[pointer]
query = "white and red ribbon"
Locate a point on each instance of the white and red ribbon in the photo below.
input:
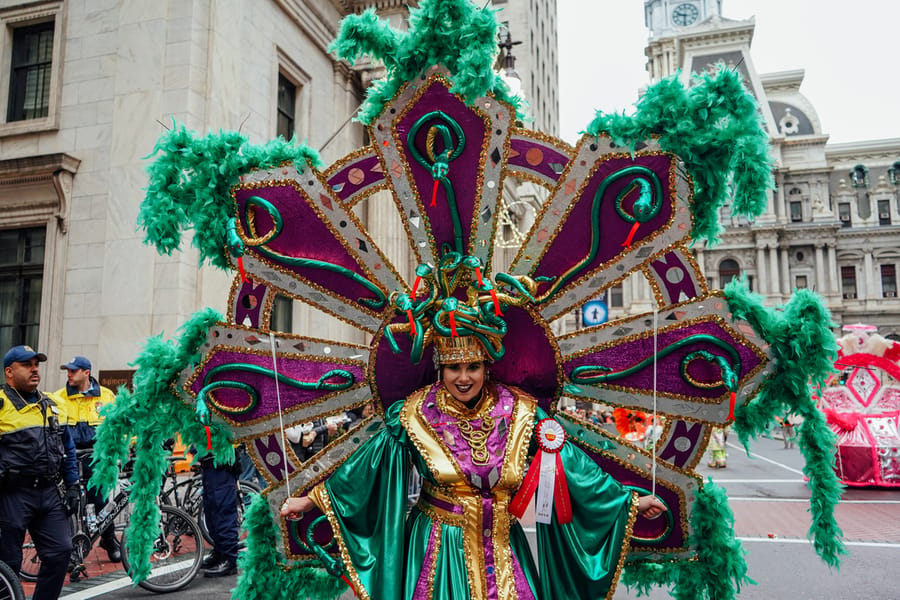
(545, 476)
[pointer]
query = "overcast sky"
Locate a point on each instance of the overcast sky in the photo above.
(849, 52)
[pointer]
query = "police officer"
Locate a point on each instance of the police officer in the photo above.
(220, 508)
(37, 456)
(84, 397)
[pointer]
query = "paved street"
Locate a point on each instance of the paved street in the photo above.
(769, 500)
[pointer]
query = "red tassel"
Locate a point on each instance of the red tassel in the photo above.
(434, 193)
(208, 438)
(349, 585)
(634, 228)
(529, 486)
(241, 269)
(497, 310)
(731, 407)
(478, 272)
(561, 499)
(453, 323)
(415, 287)
(412, 324)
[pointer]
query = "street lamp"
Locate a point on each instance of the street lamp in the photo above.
(510, 76)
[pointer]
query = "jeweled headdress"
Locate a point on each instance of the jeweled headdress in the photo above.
(627, 199)
(459, 311)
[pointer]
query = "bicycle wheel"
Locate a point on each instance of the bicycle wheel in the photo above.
(31, 562)
(245, 493)
(176, 555)
(10, 588)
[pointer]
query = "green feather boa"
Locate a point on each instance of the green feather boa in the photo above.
(190, 183)
(804, 350)
(720, 568)
(263, 574)
(469, 57)
(716, 129)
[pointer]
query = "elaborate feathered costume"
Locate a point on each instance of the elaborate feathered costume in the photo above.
(628, 198)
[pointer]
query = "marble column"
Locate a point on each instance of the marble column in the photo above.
(820, 267)
(833, 271)
(868, 276)
(773, 275)
(786, 287)
(761, 282)
(779, 197)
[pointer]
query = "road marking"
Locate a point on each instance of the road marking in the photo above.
(122, 582)
(778, 540)
(769, 460)
(804, 500)
(109, 586)
(715, 480)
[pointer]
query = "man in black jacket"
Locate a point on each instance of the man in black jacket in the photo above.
(37, 463)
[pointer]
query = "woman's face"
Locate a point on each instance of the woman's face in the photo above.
(464, 380)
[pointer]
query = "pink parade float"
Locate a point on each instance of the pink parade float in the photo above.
(862, 404)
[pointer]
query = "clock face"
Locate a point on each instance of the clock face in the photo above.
(685, 14)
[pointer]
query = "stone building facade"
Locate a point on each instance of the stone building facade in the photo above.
(833, 220)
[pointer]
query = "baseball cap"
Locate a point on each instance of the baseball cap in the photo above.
(22, 354)
(77, 362)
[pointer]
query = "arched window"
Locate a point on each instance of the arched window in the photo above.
(728, 270)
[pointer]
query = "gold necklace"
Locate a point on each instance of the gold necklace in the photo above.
(475, 437)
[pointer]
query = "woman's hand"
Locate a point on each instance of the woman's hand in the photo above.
(295, 508)
(650, 507)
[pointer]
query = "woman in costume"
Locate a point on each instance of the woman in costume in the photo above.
(470, 439)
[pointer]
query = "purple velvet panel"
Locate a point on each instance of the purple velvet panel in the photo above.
(249, 303)
(573, 242)
(682, 275)
(669, 380)
(677, 451)
(305, 236)
(269, 448)
(523, 589)
(423, 591)
(644, 527)
(464, 170)
(356, 176)
(495, 444)
(490, 569)
(294, 368)
(530, 360)
(538, 157)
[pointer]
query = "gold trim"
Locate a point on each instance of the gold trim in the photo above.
(626, 543)
(435, 512)
(319, 495)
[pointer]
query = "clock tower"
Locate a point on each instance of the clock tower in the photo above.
(667, 17)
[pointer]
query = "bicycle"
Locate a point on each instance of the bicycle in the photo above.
(10, 587)
(177, 550)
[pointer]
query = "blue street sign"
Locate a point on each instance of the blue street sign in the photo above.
(594, 313)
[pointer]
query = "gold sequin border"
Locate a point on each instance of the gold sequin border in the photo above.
(320, 498)
(713, 318)
(262, 353)
(324, 219)
(662, 299)
(558, 192)
(626, 541)
(479, 181)
(634, 468)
